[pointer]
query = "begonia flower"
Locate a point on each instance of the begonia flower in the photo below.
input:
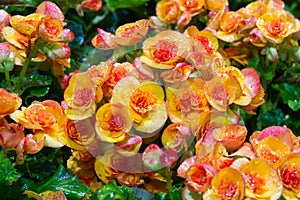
(186, 101)
(227, 184)
(289, 171)
(199, 177)
(103, 40)
(79, 97)
(9, 102)
(166, 49)
(168, 11)
(275, 26)
(112, 122)
(50, 9)
(145, 102)
(131, 33)
(261, 180)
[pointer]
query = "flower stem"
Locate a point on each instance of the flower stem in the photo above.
(7, 78)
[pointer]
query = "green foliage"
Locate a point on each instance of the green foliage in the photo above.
(31, 80)
(115, 4)
(113, 192)
(7, 171)
(290, 94)
(68, 183)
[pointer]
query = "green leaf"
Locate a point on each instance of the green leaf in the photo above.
(7, 171)
(112, 191)
(15, 191)
(290, 94)
(115, 4)
(39, 92)
(68, 183)
(273, 117)
(31, 80)
(78, 32)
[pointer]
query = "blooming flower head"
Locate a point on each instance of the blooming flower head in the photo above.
(131, 33)
(186, 100)
(229, 27)
(168, 11)
(9, 102)
(26, 25)
(10, 134)
(203, 38)
(232, 136)
(261, 180)
(165, 49)
(215, 5)
(93, 5)
(175, 136)
(46, 119)
(289, 172)
(50, 9)
(227, 184)
(275, 26)
(221, 91)
(191, 6)
(112, 122)
(145, 102)
(79, 97)
(103, 40)
(199, 177)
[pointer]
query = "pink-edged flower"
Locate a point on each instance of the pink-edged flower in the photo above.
(50, 9)
(103, 40)
(199, 177)
(151, 157)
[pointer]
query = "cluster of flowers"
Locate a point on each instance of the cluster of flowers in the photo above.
(38, 37)
(180, 88)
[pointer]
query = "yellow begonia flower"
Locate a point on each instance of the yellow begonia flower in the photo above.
(275, 26)
(168, 11)
(9, 102)
(166, 49)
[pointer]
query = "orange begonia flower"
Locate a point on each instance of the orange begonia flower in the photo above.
(232, 136)
(15, 38)
(166, 49)
(131, 33)
(9, 102)
(168, 11)
(93, 5)
(46, 119)
(103, 40)
(290, 175)
(175, 136)
(180, 73)
(275, 26)
(145, 102)
(261, 180)
(50, 9)
(50, 29)
(204, 38)
(199, 177)
(221, 91)
(215, 5)
(227, 184)
(10, 134)
(186, 101)
(26, 25)
(112, 122)
(229, 27)
(80, 97)
(191, 6)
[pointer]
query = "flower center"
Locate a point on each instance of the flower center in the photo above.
(38, 115)
(291, 177)
(142, 101)
(164, 51)
(227, 190)
(255, 183)
(275, 27)
(206, 43)
(83, 97)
